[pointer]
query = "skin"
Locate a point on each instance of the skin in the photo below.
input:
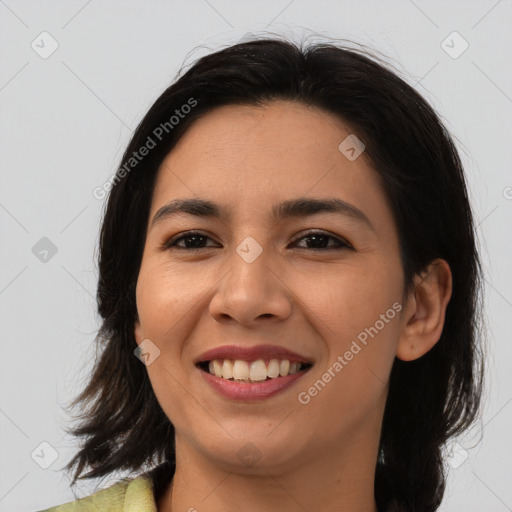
(313, 456)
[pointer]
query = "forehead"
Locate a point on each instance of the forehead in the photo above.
(279, 131)
(251, 157)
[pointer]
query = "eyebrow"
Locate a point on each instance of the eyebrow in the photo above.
(300, 207)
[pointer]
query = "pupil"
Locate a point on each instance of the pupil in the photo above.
(318, 239)
(198, 240)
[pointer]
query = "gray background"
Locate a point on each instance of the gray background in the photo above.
(66, 119)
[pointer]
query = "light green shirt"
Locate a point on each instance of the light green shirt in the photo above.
(127, 495)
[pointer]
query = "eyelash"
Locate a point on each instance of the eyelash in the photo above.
(342, 244)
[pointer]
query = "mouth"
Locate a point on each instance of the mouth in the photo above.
(248, 373)
(255, 371)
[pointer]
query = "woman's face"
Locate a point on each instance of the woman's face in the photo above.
(250, 279)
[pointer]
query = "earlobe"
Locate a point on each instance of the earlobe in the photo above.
(425, 312)
(138, 332)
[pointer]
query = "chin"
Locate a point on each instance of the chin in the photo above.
(255, 454)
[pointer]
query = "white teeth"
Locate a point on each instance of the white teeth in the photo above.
(284, 367)
(273, 368)
(258, 370)
(240, 370)
(217, 368)
(255, 371)
(227, 369)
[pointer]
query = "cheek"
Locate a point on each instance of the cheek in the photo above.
(165, 299)
(346, 299)
(351, 386)
(172, 394)
(165, 314)
(356, 312)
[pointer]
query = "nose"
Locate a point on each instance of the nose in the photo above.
(251, 292)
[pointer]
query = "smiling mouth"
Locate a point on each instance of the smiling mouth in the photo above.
(259, 370)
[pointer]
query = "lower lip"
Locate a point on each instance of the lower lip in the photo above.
(251, 391)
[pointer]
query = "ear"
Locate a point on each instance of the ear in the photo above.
(138, 331)
(424, 314)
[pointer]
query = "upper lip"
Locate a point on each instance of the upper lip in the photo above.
(244, 353)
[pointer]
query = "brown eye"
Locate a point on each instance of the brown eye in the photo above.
(319, 241)
(193, 240)
(316, 240)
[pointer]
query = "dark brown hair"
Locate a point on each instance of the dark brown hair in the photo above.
(430, 399)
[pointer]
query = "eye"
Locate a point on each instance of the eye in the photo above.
(319, 240)
(195, 240)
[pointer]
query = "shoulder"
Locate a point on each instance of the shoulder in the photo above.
(127, 495)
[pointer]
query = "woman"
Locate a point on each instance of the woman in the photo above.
(289, 286)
